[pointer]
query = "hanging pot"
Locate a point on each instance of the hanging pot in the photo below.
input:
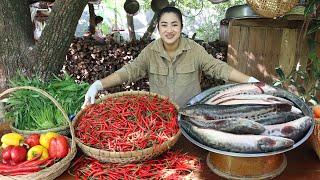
(131, 6)
(157, 5)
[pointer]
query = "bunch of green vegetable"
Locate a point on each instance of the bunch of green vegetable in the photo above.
(32, 111)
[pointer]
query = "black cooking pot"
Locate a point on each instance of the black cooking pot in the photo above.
(131, 6)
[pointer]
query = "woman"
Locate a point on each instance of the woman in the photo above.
(173, 64)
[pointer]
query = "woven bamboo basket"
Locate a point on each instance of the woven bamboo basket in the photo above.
(128, 156)
(64, 130)
(272, 8)
(315, 136)
(58, 168)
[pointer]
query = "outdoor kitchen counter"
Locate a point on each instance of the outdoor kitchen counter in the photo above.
(303, 163)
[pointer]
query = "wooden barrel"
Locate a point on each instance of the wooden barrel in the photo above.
(231, 167)
(257, 46)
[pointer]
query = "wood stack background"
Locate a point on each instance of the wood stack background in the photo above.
(88, 61)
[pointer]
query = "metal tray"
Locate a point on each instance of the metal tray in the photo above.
(241, 12)
(297, 101)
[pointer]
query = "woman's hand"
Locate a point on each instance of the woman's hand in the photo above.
(92, 92)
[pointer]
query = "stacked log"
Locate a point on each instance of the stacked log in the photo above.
(88, 61)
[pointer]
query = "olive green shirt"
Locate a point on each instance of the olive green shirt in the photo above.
(179, 78)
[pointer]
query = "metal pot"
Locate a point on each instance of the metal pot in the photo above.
(241, 12)
(157, 5)
(131, 6)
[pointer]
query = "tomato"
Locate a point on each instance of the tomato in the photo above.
(58, 147)
(33, 140)
(316, 111)
(14, 154)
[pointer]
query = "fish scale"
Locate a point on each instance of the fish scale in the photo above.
(276, 117)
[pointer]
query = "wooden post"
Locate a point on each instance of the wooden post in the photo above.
(92, 15)
(132, 34)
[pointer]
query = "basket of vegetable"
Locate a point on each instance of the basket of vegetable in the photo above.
(315, 136)
(36, 156)
(127, 127)
(31, 113)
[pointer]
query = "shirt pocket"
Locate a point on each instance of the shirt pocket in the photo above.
(186, 74)
(158, 75)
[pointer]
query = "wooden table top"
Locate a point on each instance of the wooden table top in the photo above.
(303, 162)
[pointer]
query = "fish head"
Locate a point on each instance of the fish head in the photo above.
(268, 144)
(187, 111)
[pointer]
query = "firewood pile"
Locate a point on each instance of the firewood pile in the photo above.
(88, 61)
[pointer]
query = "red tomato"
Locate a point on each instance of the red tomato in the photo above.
(14, 154)
(33, 140)
(316, 111)
(58, 147)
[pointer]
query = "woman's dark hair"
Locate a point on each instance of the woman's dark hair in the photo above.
(98, 19)
(170, 9)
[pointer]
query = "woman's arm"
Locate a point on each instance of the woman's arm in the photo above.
(222, 70)
(238, 76)
(111, 80)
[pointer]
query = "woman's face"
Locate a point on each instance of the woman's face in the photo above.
(169, 28)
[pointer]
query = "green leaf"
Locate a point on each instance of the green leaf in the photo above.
(277, 83)
(314, 27)
(310, 7)
(313, 101)
(280, 73)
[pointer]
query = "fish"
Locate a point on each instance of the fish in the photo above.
(215, 112)
(243, 88)
(293, 130)
(293, 98)
(233, 125)
(235, 142)
(250, 99)
(276, 117)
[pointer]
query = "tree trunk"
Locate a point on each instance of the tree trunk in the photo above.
(151, 27)
(92, 22)
(132, 34)
(18, 49)
(16, 38)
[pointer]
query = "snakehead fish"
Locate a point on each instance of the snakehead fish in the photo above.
(233, 125)
(272, 118)
(214, 112)
(294, 129)
(250, 99)
(237, 143)
(245, 88)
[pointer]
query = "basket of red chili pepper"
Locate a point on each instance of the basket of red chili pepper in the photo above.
(41, 162)
(127, 127)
